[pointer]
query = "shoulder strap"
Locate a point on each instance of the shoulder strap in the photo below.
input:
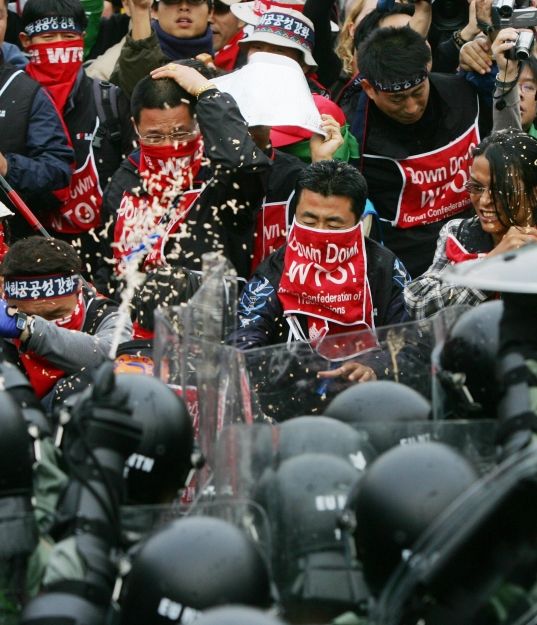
(10, 80)
(105, 96)
(97, 308)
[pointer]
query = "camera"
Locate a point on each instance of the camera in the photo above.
(505, 8)
(513, 14)
(522, 48)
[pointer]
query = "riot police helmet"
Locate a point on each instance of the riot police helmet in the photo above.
(398, 497)
(159, 467)
(191, 565)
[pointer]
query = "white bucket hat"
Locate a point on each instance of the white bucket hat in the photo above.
(251, 12)
(271, 90)
(286, 28)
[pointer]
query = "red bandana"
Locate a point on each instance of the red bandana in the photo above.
(226, 57)
(41, 373)
(55, 66)
(167, 172)
(325, 277)
(456, 253)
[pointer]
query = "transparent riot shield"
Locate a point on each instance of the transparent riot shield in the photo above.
(139, 521)
(283, 378)
(302, 496)
(475, 440)
(477, 563)
(224, 385)
(188, 351)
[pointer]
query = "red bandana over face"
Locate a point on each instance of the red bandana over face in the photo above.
(55, 66)
(165, 166)
(166, 172)
(325, 278)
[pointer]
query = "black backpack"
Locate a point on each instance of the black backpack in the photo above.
(106, 96)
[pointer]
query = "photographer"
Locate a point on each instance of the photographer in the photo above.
(516, 85)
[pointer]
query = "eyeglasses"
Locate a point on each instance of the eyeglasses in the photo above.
(474, 188)
(528, 88)
(175, 136)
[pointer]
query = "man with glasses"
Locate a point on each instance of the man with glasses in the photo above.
(519, 107)
(197, 180)
(179, 31)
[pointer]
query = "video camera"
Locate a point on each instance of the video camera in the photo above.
(513, 14)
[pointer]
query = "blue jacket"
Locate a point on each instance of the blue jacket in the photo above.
(34, 143)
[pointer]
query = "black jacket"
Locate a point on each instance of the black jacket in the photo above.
(223, 218)
(261, 319)
(385, 143)
(34, 143)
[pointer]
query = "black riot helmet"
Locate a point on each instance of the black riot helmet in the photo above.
(379, 400)
(376, 407)
(67, 609)
(237, 615)
(399, 496)
(163, 460)
(19, 387)
(303, 498)
(189, 566)
(470, 353)
(318, 434)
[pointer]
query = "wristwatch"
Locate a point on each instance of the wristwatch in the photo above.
(24, 322)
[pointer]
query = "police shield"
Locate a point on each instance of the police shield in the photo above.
(283, 379)
(512, 272)
(189, 354)
(300, 474)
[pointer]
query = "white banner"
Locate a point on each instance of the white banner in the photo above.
(271, 90)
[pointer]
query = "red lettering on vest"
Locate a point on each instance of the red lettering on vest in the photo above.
(271, 230)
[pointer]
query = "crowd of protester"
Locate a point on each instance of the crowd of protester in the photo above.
(361, 151)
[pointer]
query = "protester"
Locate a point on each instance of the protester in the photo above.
(294, 40)
(415, 141)
(95, 116)
(111, 38)
(502, 188)
(35, 157)
(294, 147)
(227, 32)
(57, 326)
(180, 31)
(165, 186)
(326, 260)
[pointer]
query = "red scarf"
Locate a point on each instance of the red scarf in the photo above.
(456, 253)
(325, 278)
(42, 374)
(55, 66)
(167, 172)
(226, 57)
